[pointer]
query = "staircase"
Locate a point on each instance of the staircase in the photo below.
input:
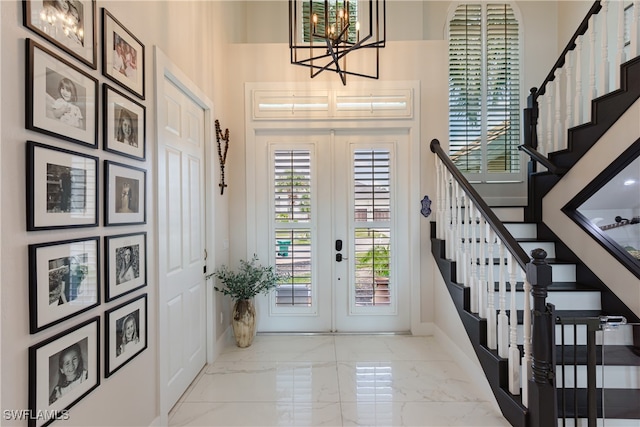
(484, 254)
(572, 299)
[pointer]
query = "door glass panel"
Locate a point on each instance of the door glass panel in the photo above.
(372, 266)
(372, 227)
(293, 259)
(292, 216)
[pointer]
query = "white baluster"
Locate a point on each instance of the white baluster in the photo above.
(568, 91)
(579, 101)
(474, 265)
(467, 241)
(549, 95)
(558, 128)
(482, 284)
(458, 235)
(448, 213)
(514, 352)
(634, 48)
(503, 320)
(491, 283)
(620, 55)
(527, 358)
(603, 74)
(592, 59)
(440, 224)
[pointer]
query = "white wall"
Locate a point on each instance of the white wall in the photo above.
(190, 34)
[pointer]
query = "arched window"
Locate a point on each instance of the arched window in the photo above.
(484, 91)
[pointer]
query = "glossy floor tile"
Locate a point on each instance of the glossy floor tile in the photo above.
(342, 380)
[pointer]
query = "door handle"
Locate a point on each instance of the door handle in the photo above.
(340, 258)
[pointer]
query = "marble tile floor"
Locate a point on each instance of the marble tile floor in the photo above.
(335, 380)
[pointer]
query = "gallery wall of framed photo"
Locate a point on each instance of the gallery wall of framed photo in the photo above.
(87, 298)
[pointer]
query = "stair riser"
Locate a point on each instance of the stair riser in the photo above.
(522, 230)
(622, 336)
(562, 300)
(559, 273)
(625, 377)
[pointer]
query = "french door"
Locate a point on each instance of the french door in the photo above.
(333, 219)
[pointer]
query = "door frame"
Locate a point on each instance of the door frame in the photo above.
(166, 69)
(332, 121)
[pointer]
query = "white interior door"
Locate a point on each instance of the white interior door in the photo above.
(331, 208)
(181, 223)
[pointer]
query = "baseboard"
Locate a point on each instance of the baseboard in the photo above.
(424, 329)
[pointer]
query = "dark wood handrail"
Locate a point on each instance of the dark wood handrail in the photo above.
(505, 236)
(582, 28)
(538, 157)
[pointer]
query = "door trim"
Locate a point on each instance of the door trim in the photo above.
(281, 125)
(166, 69)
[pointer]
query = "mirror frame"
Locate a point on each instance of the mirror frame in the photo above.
(571, 209)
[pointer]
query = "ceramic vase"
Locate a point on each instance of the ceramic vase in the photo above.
(244, 322)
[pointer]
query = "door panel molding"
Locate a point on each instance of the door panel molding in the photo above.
(199, 151)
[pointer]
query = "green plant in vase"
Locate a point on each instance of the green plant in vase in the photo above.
(242, 285)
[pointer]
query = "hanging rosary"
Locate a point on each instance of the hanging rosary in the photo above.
(222, 157)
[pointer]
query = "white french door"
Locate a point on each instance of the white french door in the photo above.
(332, 216)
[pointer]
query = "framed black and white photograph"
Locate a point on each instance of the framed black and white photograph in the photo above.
(126, 264)
(125, 333)
(62, 100)
(64, 280)
(125, 194)
(124, 124)
(122, 55)
(62, 188)
(62, 371)
(68, 24)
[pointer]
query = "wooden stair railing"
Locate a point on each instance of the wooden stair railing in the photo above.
(454, 192)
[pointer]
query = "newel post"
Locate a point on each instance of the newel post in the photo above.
(530, 121)
(543, 411)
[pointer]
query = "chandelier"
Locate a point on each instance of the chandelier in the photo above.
(322, 33)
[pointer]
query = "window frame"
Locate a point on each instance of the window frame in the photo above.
(484, 176)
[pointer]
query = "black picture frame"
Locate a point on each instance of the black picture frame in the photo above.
(125, 333)
(73, 30)
(125, 264)
(49, 392)
(124, 126)
(125, 194)
(123, 58)
(61, 99)
(62, 188)
(64, 280)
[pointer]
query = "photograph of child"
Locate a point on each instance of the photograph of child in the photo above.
(127, 331)
(127, 263)
(126, 195)
(64, 19)
(66, 189)
(65, 100)
(66, 277)
(67, 369)
(124, 58)
(126, 125)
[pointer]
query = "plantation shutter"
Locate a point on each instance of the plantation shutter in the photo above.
(292, 214)
(484, 90)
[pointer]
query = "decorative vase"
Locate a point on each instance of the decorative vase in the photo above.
(244, 322)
